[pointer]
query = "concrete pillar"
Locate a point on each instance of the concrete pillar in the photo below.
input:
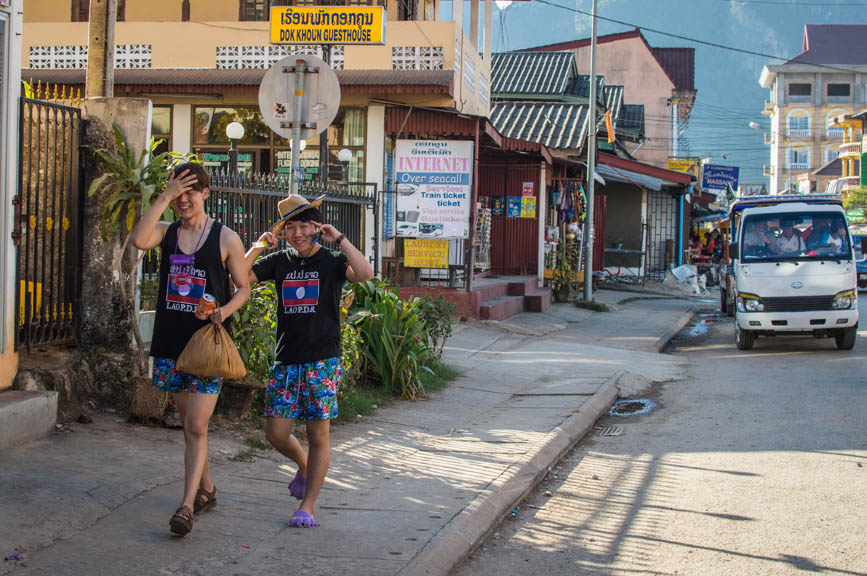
(8, 189)
(474, 25)
(374, 168)
(182, 140)
(489, 29)
(458, 14)
(541, 213)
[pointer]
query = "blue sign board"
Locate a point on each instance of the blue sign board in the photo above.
(513, 207)
(717, 177)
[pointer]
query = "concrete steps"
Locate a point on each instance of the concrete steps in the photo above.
(26, 416)
(512, 295)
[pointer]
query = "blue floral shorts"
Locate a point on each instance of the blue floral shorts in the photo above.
(168, 379)
(303, 391)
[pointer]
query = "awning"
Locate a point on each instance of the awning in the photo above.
(629, 177)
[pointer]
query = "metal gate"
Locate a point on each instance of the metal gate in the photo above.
(661, 233)
(46, 232)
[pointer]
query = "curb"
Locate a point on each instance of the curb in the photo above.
(674, 330)
(470, 527)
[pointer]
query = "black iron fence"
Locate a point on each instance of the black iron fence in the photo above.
(46, 233)
(248, 205)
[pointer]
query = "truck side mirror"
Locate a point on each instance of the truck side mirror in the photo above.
(733, 250)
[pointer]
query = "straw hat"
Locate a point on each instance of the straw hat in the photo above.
(293, 205)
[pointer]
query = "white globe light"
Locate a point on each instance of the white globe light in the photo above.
(344, 155)
(302, 146)
(235, 131)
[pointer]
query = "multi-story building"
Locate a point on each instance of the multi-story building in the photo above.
(828, 79)
(659, 84)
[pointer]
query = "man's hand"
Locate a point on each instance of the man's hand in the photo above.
(216, 315)
(267, 240)
(175, 186)
(329, 233)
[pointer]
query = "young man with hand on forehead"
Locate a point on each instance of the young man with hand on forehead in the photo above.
(197, 256)
(303, 382)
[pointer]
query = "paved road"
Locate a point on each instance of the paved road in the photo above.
(756, 463)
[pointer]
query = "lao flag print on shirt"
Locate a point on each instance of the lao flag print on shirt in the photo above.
(184, 291)
(300, 296)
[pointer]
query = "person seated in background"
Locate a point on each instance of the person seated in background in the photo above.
(819, 233)
(756, 238)
(788, 242)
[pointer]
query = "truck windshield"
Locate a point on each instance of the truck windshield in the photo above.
(794, 236)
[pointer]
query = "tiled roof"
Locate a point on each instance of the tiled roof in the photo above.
(580, 87)
(679, 64)
(614, 100)
(833, 44)
(553, 125)
(832, 168)
(221, 77)
(531, 73)
(631, 117)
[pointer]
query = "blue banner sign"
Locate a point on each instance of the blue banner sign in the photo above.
(716, 177)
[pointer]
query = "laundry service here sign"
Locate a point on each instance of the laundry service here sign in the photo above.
(433, 181)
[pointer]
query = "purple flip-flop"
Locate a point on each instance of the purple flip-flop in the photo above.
(298, 486)
(302, 519)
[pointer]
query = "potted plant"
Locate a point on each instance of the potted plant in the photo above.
(564, 273)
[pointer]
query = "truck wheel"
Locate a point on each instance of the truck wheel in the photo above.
(722, 300)
(845, 338)
(744, 338)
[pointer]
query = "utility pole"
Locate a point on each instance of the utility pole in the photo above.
(100, 49)
(591, 166)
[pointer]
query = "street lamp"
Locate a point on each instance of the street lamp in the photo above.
(345, 156)
(235, 132)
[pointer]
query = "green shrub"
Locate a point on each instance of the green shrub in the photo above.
(254, 328)
(437, 314)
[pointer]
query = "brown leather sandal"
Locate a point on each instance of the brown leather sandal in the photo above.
(205, 500)
(182, 522)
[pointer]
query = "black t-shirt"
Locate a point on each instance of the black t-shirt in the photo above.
(181, 288)
(308, 303)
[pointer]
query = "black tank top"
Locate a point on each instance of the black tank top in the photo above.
(181, 286)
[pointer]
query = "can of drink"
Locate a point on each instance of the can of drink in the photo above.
(206, 304)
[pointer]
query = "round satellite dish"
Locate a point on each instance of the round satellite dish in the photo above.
(320, 102)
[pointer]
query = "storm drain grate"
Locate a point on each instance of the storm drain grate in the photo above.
(631, 407)
(611, 431)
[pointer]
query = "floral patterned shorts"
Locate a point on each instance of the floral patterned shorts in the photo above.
(168, 379)
(303, 391)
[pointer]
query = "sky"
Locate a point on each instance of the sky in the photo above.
(729, 95)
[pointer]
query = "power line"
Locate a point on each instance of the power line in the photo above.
(778, 2)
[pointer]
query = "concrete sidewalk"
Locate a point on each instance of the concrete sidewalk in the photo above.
(410, 491)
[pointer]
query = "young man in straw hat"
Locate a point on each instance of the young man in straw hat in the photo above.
(304, 379)
(197, 257)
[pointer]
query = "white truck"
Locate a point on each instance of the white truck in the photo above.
(791, 269)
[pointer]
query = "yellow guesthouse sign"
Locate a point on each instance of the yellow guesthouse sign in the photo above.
(328, 25)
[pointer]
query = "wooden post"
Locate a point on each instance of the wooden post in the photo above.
(100, 49)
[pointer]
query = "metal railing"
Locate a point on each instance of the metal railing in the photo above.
(247, 203)
(47, 212)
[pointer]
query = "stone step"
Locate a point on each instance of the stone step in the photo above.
(492, 291)
(524, 287)
(501, 308)
(26, 416)
(538, 300)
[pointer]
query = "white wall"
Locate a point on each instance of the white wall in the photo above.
(181, 126)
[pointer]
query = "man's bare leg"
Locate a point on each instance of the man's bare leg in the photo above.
(318, 439)
(278, 431)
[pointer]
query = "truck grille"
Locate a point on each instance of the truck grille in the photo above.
(798, 304)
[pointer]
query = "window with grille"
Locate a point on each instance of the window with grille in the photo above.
(407, 10)
(799, 159)
(799, 126)
(800, 92)
(254, 10)
(839, 92)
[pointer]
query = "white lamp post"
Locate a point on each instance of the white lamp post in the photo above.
(235, 132)
(345, 157)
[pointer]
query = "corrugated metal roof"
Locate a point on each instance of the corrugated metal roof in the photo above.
(614, 100)
(631, 117)
(532, 73)
(553, 125)
(580, 87)
(221, 77)
(679, 64)
(833, 44)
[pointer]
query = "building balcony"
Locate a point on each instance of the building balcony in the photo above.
(798, 166)
(850, 183)
(768, 170)
(769, 138)
(410, 45)
(850, 150)
(799, 132)
(769, 108)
